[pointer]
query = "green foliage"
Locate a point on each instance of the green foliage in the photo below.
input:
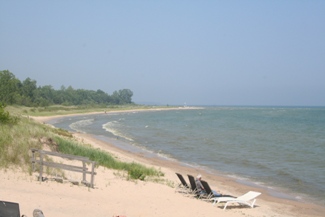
(9, 87)
(122, 96)
(5, 117)
(16, 141)
(13, 91)
(62, 132)
(134, 170)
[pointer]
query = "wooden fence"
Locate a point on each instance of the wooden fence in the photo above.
(41, 160)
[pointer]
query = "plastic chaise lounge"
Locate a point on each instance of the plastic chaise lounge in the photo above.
(193, 185)
(183, 186)
(196, 193)
(208, 190)
(211, 193)
(248, 199)
(9, 209)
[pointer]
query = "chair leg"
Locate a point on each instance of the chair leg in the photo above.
(224, 208)
(253, 203)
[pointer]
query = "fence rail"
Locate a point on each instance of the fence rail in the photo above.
(40, 159)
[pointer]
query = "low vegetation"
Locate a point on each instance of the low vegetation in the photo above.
(135, 170)
(5, 118)
(65, 110)
(19, 134)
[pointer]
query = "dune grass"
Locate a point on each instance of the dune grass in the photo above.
(134, 170)
(17, 139)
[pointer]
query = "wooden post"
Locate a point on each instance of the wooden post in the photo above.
(33, 160)
(92, 174)
(84, 172)
(41, 167)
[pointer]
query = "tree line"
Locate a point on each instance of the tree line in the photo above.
(27, 93)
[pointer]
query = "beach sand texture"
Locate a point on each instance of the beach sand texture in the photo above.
(113, 195)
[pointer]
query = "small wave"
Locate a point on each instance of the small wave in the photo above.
(80, 124)
(111, 128)
(165, 156)
(290, 178)
(279, 192)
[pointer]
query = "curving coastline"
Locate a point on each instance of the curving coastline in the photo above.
(168, 203)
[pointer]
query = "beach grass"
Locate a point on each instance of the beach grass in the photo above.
(134, 170)
(18, 138)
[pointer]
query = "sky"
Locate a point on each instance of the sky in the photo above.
(171, 52)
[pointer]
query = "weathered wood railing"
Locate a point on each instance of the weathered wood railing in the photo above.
(40, 159)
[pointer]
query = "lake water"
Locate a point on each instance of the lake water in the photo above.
(278, 148)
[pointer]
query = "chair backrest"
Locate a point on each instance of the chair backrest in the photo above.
(192, 182)
(181, 178)
(9, 209)
(249, 196)
(206, 187)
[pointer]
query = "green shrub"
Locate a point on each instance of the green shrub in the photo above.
(5, 117)
(62, 132)
(134, 170)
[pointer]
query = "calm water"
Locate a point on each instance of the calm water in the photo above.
(281, 148)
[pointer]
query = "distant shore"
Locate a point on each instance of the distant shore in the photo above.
(44, 119)
(136, 198)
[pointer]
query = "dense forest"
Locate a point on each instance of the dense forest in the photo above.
(27, 93)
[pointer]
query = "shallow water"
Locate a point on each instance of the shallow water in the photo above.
(279, 148)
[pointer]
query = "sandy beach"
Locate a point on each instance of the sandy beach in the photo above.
(113, 195)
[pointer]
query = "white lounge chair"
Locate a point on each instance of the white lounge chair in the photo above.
(248, 199)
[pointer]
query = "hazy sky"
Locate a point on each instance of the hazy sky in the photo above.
(171, 52)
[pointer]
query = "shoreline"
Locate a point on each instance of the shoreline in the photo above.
(228, 185)
(267, 204)
(125, 147)
(43, 119)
